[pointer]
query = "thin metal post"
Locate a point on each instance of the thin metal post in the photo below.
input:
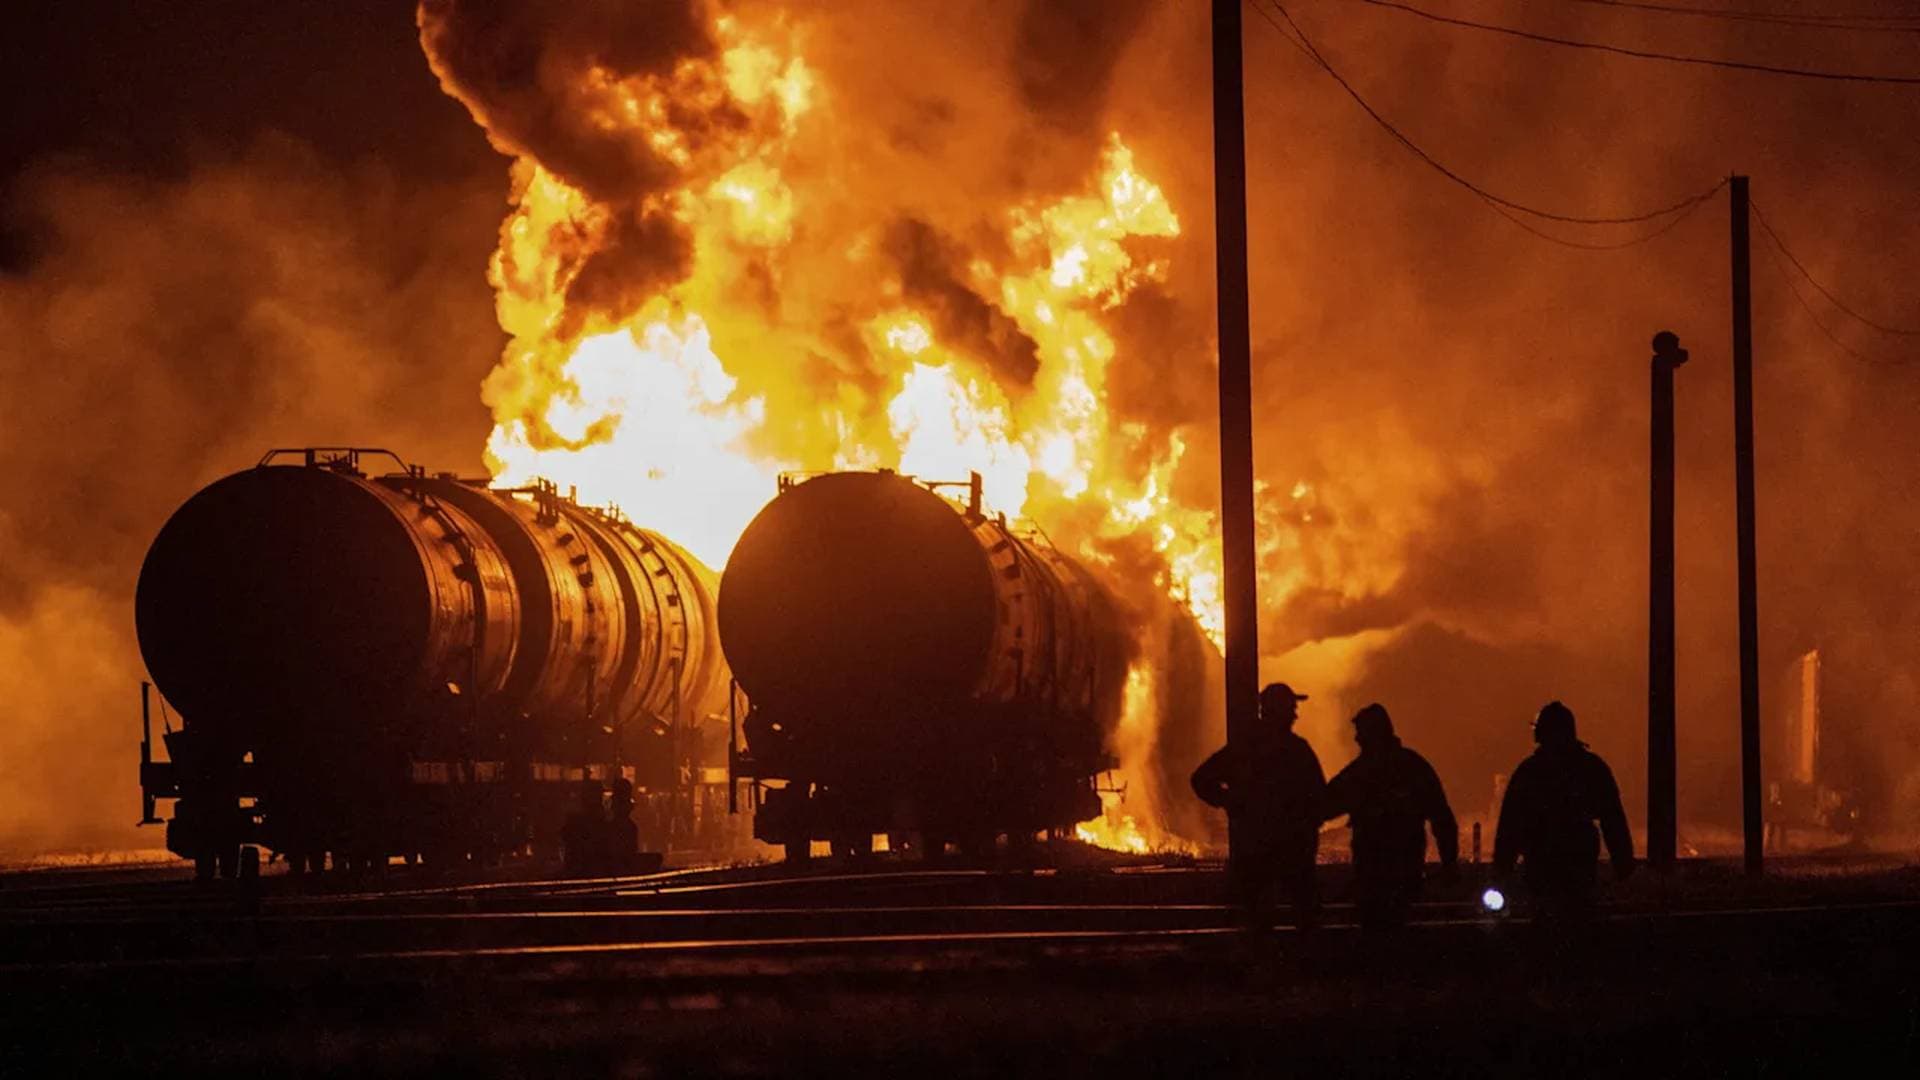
(1236, 389)
(146, 753)
(733, 746)
(1754, 828)
(1662, 810)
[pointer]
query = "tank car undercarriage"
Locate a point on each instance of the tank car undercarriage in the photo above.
(965, 779)
(231, 804)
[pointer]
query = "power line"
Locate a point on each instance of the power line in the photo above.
(1814, 316)
(1497, 201)
(1298, 47)
(1505, 207)
(1781, 244)
(1585, 245)
(1897, 24)
(1703, 61)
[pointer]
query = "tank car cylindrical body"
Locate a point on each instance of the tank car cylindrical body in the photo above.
(387, 663)
(913, 666)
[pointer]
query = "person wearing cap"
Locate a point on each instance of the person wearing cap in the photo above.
(1548, 814)
(1270, 788)
(623, 836)
(1391, 796)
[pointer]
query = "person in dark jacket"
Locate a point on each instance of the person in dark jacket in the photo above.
(623, 836)
(1547, 818)
(1271, 794)
(1391, 796)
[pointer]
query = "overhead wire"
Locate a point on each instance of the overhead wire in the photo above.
(1507, 208)
(1644, 54)
(1781, 244)
(1819, 323)
(1587, 245)
(1783, 256)
(1299, 47)
(1896, 24)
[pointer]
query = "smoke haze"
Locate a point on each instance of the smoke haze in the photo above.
(171, 332)
(1451, 417)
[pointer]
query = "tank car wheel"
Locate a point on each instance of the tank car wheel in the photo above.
(203, 868)
(799, 851)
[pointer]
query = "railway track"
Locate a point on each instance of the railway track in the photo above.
(689, 912)
(938, 970)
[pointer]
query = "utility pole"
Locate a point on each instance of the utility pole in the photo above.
(1236, 390)
(1753, 828)
(1662, 813)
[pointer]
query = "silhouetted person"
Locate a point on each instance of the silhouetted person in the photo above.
(1272, 795)
(1547, 818)
(583, 834)
(1391, 795)
(623, 836)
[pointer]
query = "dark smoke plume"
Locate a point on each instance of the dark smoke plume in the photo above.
(929, 266)
(520, 66)
(535, 76)
(1065, 54)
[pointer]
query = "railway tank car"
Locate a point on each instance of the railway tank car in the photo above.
(915, 668)
(376, 665)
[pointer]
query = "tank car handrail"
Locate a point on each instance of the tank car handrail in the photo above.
(311, 456)
(1027, 529)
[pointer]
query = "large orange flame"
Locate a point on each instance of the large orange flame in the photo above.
(667, 405)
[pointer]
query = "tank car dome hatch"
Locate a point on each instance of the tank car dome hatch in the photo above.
(856, 587)
(282, 592)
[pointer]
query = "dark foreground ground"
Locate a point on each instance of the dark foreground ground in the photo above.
(1123, 969)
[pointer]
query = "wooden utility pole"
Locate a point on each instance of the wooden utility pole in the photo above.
(1236, 389)
(1662, 813)
(1753, 827)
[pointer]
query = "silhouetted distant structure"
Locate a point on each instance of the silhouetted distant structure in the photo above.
(1271, 789)
(1547, 818)
(1392, 795)
(1805, 790)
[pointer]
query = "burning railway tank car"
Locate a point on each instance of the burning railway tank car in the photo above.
(916, 668)
(372, 665)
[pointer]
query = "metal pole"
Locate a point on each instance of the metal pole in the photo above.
(733, 746)
(1236, 385)
(146, 753)
(1662, 813)
(1743, 517)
